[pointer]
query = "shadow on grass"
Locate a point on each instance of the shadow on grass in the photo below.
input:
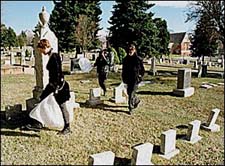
(182, 126)
(122, 161)
(105, 107)
(155, 93)
(156, 149)
(181, 136)
(15, 133)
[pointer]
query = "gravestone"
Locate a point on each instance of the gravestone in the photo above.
(193, 130)
(85, 65)
(74, 65)
(41, 73)
(72, 101)
(153, 66)
(195, 64)
(204, 70)
(184, 88)
(119, 93)
(11, 112)
(210, 125)
(94, 97)
(22, 59)
(12, 58)
(142, 154)
(168, 144)
(104, 158)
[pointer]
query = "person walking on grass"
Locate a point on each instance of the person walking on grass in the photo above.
(132, 74)
(56, 85)
(102, 69)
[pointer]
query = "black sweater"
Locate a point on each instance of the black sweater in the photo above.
(132, 70)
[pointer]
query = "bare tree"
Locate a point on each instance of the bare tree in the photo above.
(83, 31)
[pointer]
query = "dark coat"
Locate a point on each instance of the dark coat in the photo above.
(56, 80)
(102, 65)
(132, 70)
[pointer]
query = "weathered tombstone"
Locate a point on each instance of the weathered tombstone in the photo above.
(193, 130)
(184, 88)
(195, 65)
(142, 154)
(41, 61)
(210, 125)
(12, 111)
(209, 64)
(104, 158)
(12, 58)
(7, 62)
(119, 93)
(72, 101)
(74, 65)
(94, 97)
(168, 144)
(22, 60)
(204, 70)
(153, 66)
(85, 65)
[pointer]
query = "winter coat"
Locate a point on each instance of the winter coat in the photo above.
(56, 80)
(102, 65)
(132, 69)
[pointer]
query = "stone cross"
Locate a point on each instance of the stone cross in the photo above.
(94, 97)
(184, 88)
(193, 130)
(104, 158)
(210, 125)
(168, 144)
(142, 154)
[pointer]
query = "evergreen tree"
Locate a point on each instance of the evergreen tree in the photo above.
(22, 39)
(203, 42)
(163, 36)
(65, 18)
(132, 23)
(9, 38)
(62, 22)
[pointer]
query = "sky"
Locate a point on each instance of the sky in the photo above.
(23, 15)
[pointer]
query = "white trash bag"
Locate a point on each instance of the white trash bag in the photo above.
(48, 113)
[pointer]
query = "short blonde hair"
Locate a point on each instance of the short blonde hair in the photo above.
(43, 43)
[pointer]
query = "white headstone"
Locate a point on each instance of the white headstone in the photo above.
(85, 65)
(142, 154)
(120, 93)
(210, 125)
(72, 100)
(104, 158)
(193, 130)
(94, 97)
(168, 144)
(153, 66)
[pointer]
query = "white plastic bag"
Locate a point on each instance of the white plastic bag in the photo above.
(48, 113)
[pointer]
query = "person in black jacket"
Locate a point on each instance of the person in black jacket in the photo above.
(56, 84)
(132, 74)
(102, 69)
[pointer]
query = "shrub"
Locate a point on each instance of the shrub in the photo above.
(121, 54)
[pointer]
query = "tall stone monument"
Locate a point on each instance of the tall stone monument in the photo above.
(41, 73)
(184, 88)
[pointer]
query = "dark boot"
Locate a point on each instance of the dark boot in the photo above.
(66, 130)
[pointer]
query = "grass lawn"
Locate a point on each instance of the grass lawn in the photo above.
(109, 127)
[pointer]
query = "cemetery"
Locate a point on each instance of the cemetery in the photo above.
(180, 119)
(102, 125)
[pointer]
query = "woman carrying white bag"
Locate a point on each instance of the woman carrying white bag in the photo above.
(56, 87)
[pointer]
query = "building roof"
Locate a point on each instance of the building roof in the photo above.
(177, 38)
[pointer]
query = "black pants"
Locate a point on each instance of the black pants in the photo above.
(131, 91)
(101, 80)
